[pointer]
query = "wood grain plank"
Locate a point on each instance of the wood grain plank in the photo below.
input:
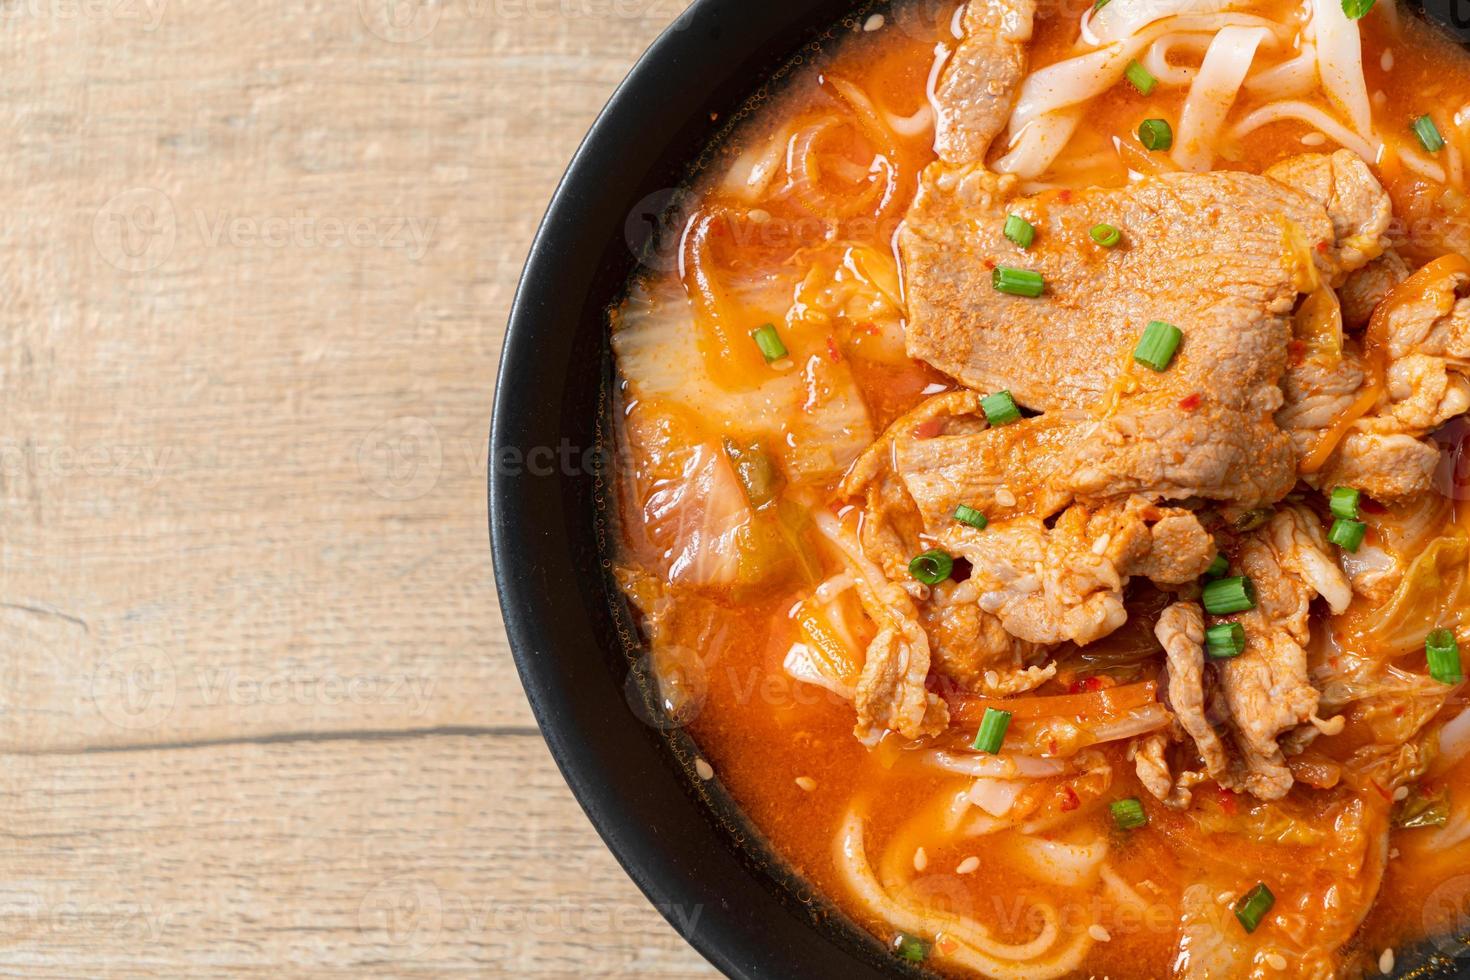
(258, 260)
(402, 857)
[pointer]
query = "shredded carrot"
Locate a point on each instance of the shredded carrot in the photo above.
(1098, 704)
(1435, 278)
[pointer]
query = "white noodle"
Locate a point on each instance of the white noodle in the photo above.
(1064, 864)
(916, 125)
(972, 945)
(1156, 58)
(1124, 18)
(1212, 94)
(1288, 80)
(1340, 63)
(1312, 116)
(1421, 165)
(1039, 144)
(995, 766)
(996, 796)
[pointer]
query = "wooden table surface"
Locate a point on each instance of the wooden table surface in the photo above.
(257, 710)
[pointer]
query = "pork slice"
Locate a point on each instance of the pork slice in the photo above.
(1205, 252)
(1065, 583)
(1385, 467)
(1266, 689)
(1369, 286)
(977, 89)
(1353, 198)
(1002, 472)
(1181, 631)
(972, 648)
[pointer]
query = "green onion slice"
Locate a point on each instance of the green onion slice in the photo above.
(966, 514)
(1157, 345)
(1225, 640)
(1253, 906)
(769, 341)
(1156, 134)
(1346, 534)
(1229, 595)
(911, 948)
(931, 567)
(1218, 567)
(1000, 408)
(1105, 235)
(1356, 9)
(1344, 503)
(1140, 78)
(1017, 282)
(992, 730)
(1442, 651)
(1019, 230)
(1428, 134)
(1128, 813)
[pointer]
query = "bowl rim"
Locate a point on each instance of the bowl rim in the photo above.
(750, 929)
(763, 939)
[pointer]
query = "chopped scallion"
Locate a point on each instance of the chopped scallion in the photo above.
(1356, 9)
(992, 730)
(1128, 813)
(1442, 651)
(1140, 78)
(1346, 534)
(1019, 230)
(1105, 235)
(1229, 595)
(1156, 134)
(966, 514)
(911, 948)
(1157, 345)
(1253, 906)
(931, 567)
(1428, 134)
(769, 341)
(1218, 567)
(1344, 503)
(1017, 282)
(1000, 408)
(1225, 640)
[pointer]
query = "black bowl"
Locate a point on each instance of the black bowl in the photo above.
(681, 839)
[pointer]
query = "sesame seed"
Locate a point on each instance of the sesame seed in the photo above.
(1385, 961)
(705, 770)
(1004, 497)
(873, 23)
(1275, 961)
(1402, 793)
(806, 782)
(967, 866)
(1387, 60)
(921, 860)
(759, 215)
(1099, 933)
(1313, 139)
(1379, 98)
(1224, 898)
